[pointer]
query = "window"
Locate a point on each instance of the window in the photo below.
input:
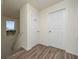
(10, 27)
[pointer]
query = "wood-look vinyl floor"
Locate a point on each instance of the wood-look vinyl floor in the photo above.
(42, 52)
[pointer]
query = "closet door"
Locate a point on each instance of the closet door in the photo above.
(57, 28)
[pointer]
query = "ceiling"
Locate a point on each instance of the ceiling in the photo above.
(41, 4)
(11, 7)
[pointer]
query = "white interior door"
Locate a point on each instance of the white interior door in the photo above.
(35, 29)
(57, 28)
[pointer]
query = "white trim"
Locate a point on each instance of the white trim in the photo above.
(72, 53)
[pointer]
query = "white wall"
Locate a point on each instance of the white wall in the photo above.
(72, 35)
(70, 42)
(23, 28)
(27, 15)
(3, 39)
